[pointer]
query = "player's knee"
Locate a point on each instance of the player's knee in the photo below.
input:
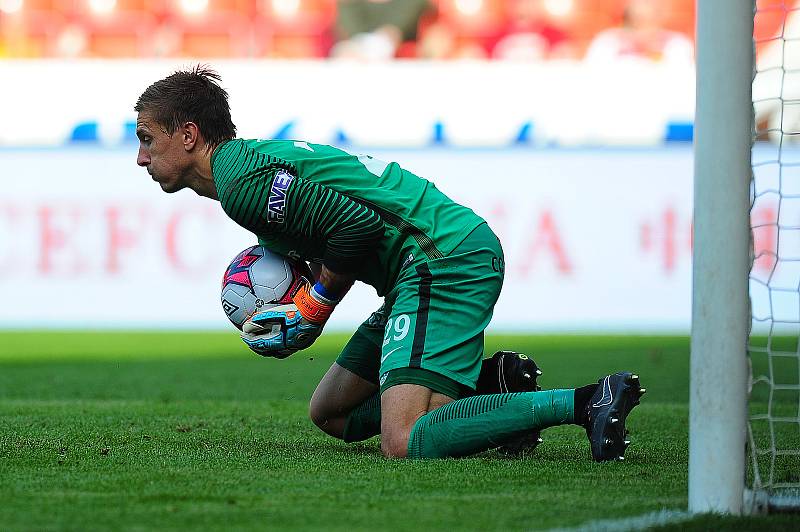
(319, 413)
(394, 441)
(401, 407)
(326, 419)
(394, 447)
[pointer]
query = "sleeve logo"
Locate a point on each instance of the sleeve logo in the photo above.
(277, 196)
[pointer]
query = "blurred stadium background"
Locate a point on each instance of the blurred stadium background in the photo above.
(316, 29)
(567, 124)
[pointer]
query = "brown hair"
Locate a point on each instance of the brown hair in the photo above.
(190, 96)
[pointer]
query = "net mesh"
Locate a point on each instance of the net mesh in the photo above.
(773, 470)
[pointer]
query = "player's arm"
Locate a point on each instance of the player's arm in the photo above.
(330, 282)
(316, 269)
(305, 211)
(349, 231)
(276, 202)
(336, 284)
(300, 209)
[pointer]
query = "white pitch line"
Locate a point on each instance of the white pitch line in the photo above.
(626, 524)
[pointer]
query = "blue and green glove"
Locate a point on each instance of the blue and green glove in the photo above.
(285, 329)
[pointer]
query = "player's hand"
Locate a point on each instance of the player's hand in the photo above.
(281, 331)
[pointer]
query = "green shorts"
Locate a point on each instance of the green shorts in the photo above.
(429, 330)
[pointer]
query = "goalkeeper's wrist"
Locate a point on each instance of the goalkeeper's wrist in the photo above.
(313, 306)
(323, 295)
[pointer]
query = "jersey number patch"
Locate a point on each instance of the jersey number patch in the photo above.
(400, 329)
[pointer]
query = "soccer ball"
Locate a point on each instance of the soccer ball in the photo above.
(258, 279)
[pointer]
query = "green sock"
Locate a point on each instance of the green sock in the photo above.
(364, 421)
(481, 422)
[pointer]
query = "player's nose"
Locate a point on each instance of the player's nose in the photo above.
(143, 158)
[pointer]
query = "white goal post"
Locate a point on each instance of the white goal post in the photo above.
(744, 411)
(721, 256)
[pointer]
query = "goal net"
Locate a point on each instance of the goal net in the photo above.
(772, 478)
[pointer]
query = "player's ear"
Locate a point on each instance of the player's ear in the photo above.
(191, 135)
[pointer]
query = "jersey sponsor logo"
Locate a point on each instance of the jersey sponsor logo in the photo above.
(277, 196)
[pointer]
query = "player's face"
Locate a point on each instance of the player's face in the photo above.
(163, 155)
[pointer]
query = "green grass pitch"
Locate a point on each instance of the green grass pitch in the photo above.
(168, 431)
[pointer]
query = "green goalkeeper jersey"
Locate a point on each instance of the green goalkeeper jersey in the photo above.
(352, 213)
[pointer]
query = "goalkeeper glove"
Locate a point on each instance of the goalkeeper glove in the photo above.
(282, 330)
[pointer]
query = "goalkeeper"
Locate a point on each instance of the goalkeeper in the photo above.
(410, 371)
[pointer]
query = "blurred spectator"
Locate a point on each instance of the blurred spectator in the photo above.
(166, 41)
(72, 41)
(14, 40)
(531, 34)
(365, 29)
(377, 29)
(438, 41)
(642, 35)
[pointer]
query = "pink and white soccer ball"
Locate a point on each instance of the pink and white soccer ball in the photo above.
(258, 279)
